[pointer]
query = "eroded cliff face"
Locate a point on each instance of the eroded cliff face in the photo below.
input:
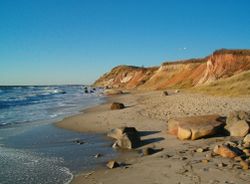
(180, 74)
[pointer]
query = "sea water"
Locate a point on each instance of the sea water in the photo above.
(32, 149)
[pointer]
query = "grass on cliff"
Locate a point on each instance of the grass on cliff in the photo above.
(238, 85)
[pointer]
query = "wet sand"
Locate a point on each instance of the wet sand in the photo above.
(178, 162)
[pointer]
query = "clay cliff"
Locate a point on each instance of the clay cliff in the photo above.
(179, 74)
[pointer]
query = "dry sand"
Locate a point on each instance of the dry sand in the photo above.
(178, 162)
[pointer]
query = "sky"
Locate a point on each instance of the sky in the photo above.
(76, 41)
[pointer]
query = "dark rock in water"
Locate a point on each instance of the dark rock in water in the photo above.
(86, 91)
(94, 89)
(238, 123)
(127, 137)
(117, 105)
(91, 91)
(79, 141)
(112, 164)
(98, 155)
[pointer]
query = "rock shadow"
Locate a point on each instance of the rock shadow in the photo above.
(152, 140)
(145, 133)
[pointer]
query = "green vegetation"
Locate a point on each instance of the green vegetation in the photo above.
(241, 52)
(238, 85)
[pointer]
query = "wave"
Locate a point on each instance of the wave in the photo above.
(29, 97)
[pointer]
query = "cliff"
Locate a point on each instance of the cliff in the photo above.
(179, 74)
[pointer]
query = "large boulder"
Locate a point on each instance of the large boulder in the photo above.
(110, 92)
(238, 123)
(126, 137)
(195, 127)
(117, 105)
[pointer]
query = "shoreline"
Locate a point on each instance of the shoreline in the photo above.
(148, 112)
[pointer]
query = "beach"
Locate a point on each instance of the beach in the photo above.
(178, 162)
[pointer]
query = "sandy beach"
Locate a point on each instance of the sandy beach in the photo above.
(178, 162)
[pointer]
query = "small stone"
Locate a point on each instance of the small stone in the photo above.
(246, 151)
(165, 93)
(117, 105)
(244, 165)
(183, 158)
(238, 159)
(222, 164)
(200, 150)
(112, 164)
(205, 161)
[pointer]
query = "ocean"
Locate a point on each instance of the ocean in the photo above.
(32, 149)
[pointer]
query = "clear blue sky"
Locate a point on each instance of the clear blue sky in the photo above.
(75, 41)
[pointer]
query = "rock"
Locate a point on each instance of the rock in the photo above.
(237, 123)
(98, 155)
(165, 93)
(195, 127)
(205, 161)
(239, 128)
(112, 92)
(244, 165)
(112, 164)
(177, 91)
(127, 137)
(226, 151)
(222, 164)
(117, 105)
(128, 141)
(199, 150)
(117, 133)
(247, 139)
(86, 91)
(78, 141)
(238, 159)
(246, 151)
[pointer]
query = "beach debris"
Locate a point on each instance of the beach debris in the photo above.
(117, 105)
(126, 137)
(247, 139)
(112, 92)
(195, 127)
(227, 151)
(112, 164)
(238, 123)
(165, 93)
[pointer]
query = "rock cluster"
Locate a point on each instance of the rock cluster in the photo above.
(126, 137)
